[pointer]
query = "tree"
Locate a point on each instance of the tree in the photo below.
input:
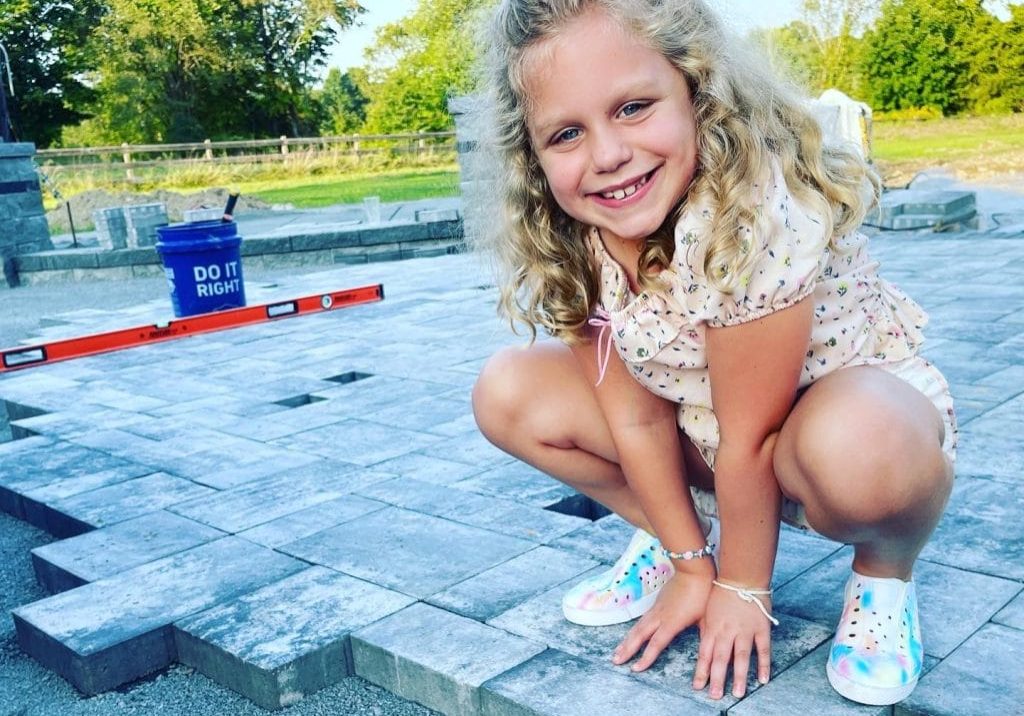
(184, 70)
(45, 40)
(919, 54)
(791, 50)
(343, 103)
(417, 64)
(834, 28)
(996, 75)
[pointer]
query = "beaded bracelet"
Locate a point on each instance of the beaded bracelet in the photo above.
(750, 595)
(704, 551)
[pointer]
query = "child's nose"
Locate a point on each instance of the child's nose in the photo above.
(610, 150)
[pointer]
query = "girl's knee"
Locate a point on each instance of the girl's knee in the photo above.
(497, 395)
(864, 468)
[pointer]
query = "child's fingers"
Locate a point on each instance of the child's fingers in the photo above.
(763, 643)
(636, 637)
(719, 667)
(702, 671)
(655, 645)
(740, 667)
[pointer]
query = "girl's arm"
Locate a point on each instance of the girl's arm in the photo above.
(647, 443)
(754, 372)
(645, 434)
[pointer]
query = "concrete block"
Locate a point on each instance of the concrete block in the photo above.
(399, 549)
(541, 619)
(500, 588)
(818, 595)
(996, 456)
(258, 246)
(326, 240)
(558, 684)
(46, 464)
(120, 502)
(520, 482)
(424, 468)
(504, 516)
(106, 633)
(267, 499)
(803, 689)
(429, 415)
(974, 680)
(393, 233)
(70, 563)
(473, 449)
(981, 529)
(436, 658)
(604, 539)
(307, 522)
(358, 442)
(1013, 614)
(799, 551)
(287, 639)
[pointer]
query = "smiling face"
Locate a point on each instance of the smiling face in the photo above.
(612, 126)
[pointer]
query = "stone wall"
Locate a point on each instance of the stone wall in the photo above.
(23, 226)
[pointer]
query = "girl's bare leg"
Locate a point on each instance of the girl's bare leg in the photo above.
(536, 404)
(862, 451)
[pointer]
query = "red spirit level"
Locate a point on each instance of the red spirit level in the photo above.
(17, 358)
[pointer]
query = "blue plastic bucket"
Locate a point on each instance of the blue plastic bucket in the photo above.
(203, 264)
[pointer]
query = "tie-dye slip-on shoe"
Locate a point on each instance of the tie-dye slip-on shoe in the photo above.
(876, 654)
(629, 588)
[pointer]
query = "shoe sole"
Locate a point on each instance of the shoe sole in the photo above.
(607, 617)
(870, 695)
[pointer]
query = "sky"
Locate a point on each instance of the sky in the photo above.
(347, 52)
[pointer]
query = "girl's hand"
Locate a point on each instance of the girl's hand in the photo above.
(680, 604)
(729, 632)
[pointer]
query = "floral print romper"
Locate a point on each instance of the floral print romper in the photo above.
(859, 318)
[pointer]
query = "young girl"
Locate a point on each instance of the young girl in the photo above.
(674, 216)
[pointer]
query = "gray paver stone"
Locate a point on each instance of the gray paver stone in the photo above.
(499, 589)
(518, 481)
(117, 629)
(428, 469)
(287, 639)
(37, 503)
(1013, 614)
(980, 669)
(413, 553)
(70, 563)
(120, 502)
(803, 689)
(436, 658)
(541, 619)
(981, 529)
(604, 539)
(358, 442)
(297, 525)
(558, 684)
(507, 517)
(263, 500)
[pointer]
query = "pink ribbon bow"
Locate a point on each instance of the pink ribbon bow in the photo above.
(603, 320)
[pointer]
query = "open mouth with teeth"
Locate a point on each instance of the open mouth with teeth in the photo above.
(625, 192)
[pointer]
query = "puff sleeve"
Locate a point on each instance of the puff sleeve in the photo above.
(790, 241)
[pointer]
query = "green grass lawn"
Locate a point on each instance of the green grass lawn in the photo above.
(321, 191)
(948, 139)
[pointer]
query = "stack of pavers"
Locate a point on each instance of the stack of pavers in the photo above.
(110, 227)
(910, 209)
(141, 221)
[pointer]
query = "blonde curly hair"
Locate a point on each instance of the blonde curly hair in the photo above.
(745, 116)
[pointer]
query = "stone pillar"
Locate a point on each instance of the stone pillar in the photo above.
(23, 226)
(476, 180)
